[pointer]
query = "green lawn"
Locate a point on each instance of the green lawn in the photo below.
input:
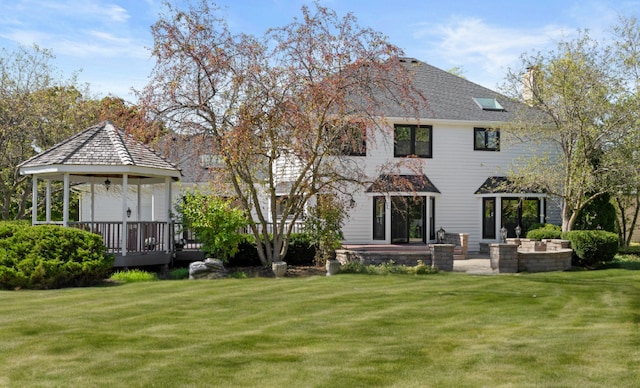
(447, 330)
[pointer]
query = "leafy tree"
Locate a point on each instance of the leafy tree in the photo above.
(281, 105)
(625, 153)
(216, 222)
(584, 97)
(37, 109)
(324, 225)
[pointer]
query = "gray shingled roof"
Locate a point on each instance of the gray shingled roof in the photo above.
(100, 145)
(401, 183)
(450, 97)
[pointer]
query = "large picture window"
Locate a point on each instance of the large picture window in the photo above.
(522, 212)
(486, 139)
(412, 140)
(355, 143)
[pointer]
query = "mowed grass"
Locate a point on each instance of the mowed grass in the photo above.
(446, 330)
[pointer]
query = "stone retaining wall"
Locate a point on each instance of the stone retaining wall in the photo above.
(368, 257)
(531, 255)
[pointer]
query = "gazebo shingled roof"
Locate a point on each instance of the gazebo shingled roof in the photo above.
(101, 148)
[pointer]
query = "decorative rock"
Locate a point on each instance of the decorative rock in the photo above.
(279, 268)
(208, 269)
(333, 267)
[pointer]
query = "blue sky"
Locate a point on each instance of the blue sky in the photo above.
(108, 40)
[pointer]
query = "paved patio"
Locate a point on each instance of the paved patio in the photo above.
(476, 264)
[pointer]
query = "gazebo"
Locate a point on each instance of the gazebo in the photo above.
(105, 156)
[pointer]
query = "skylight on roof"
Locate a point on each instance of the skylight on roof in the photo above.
(488, 103)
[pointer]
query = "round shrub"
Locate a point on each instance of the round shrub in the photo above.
(48, 256)
(547, 231)
(592, 247)
(301, 251)
(247, 255)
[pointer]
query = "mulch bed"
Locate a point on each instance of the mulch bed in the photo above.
(292, 271)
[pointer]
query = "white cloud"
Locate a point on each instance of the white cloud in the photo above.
(472, 43)
(88, 9)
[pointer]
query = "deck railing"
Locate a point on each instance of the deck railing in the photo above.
(150, 236)
(143, 236)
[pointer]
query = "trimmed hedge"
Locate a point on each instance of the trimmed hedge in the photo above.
(301, 251)
(547, 231)
(592, 247)
(48, 256)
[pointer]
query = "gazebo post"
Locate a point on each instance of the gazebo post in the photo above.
(65, 201)
(125, 189)
(167, 192)
(48, 202)
(92, 208)
(138, 200)
(34, 200)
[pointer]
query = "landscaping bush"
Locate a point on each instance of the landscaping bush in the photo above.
(134, 275)
(247, 255)
(543, 232)
(48, 256)
(355, 267)
(592, 247)
(599, 214)
(301, 251)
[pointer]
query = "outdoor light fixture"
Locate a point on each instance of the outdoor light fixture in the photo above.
(441, 233)
(503, 234)
(107, 184)
(518, 231)
(128, 212)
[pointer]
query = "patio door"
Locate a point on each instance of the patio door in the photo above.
(408, 223)
(520, 211)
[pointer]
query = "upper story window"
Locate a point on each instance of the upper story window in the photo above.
(211, 161)
(487, 103)
(486, 139)
(355, 141)
(412, 140)
(346, 138)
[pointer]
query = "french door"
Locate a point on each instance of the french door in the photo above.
(408, 223)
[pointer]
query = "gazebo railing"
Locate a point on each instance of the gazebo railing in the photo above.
(142, 236)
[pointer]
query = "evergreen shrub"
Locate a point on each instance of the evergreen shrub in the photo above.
(546, 231)
(48, 256)
(592, 247)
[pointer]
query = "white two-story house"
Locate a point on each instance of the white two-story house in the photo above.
(465, 149)
(466, 152)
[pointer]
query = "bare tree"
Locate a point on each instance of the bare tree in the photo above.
(280, 110)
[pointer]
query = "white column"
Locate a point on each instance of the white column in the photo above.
(387, 218)
(92, 210)
(427, 206)
(167, 192)
(34, 200)
(138, 203)
(543, 206)
(498, 217)
(125, 190)
(65, 201)
(48, 201)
